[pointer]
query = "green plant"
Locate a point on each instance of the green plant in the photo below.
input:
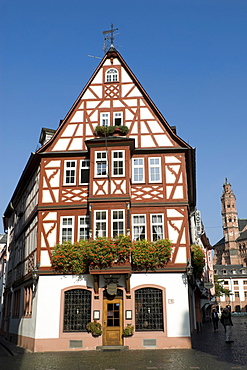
(219, 288)
(94, 327)
(101, 131)
(150, 255)
(110, 130)
(128, 330)
(198, 260)
(68, 257)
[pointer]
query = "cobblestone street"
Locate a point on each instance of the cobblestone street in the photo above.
(210, 352)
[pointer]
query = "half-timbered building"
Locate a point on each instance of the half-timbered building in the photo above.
(81, 186)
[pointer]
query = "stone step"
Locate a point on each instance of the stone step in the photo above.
(112, 348)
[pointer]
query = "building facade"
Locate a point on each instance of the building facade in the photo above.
(79, 185)
(230, 259)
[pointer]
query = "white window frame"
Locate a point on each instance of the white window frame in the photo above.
(105, 119)
(86, 167)
(66, 168)
(118, 160)
(62, 226)
(117, 115)
(154, 165)
(112, 75)
(98, 160)
(117, 220)
(85, 226)
(105, 221)
(139, 224)
(137, 167)
(158, 224)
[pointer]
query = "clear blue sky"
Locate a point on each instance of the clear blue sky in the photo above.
(189, 55)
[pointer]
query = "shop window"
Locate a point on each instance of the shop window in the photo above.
(148, 309)
(77, 310)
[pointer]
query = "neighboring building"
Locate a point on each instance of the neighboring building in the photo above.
(3, 243)
(230, 259)
(77, 186)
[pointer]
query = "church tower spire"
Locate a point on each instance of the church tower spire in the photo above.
(230, 223)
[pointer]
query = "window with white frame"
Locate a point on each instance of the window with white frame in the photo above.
(67, 229)
(101, 164)
(154, 169)
(112, 75)
(100, 224)
(84, 175)
(138, 170)
(117, 223)
(83, 227)
(69, 172)
(157, 228)
(139, 227)
(117, 119)
(118, 163)
(104, 119)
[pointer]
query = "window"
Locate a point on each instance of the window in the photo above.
(245, 293)
(112, 75)
(148, 309)
(67, 229)
(225, 282)
(243, 272)
(104, 119)
(234, 272)
(101, 164)
(224, 272)
(85, 165)
(118, 163)
(69, 172)
(117, 223)
(157, 232)
(235, 282)
(16, 304)
(77, 310)
(154, 170)
(236, 294)
(118, 119)
(245, 282)
(28, 300)
(138, 170)
(100, 224)
(139, 227)
(83, 227)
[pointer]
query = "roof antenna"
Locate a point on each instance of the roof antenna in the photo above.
(109, 38)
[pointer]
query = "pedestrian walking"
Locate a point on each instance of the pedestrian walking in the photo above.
(215, 319)
(226, 321)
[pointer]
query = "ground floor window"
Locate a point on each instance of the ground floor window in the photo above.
(28, 301)
(77, 310)
(148, 309)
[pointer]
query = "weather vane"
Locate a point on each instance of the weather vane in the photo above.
(109, 38)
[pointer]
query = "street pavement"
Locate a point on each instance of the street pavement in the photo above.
(209, 352)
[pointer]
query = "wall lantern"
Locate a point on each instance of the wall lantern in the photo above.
(35, 274)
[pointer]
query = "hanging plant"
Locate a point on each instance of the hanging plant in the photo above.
(68, 257)
(198, 260)
(148, 255)
(128, 331)
(110, 130)
(94, 327)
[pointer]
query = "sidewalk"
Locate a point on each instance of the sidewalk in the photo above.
(12, 348)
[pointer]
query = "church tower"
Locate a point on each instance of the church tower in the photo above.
(230, 224)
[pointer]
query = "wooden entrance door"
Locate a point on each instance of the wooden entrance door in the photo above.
(113, 322)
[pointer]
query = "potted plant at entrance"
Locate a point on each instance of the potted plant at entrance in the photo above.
(94, 327)
(128, 331)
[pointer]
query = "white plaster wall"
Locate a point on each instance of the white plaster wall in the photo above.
(48, 302)
(177, 313)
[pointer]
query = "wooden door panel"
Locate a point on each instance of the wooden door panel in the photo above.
(112, 324)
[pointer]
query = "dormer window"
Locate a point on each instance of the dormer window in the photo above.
(234, 272)
(112, 75)
(224, 272)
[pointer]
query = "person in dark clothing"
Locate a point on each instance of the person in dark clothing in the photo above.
(215, 319)
(226, 321)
